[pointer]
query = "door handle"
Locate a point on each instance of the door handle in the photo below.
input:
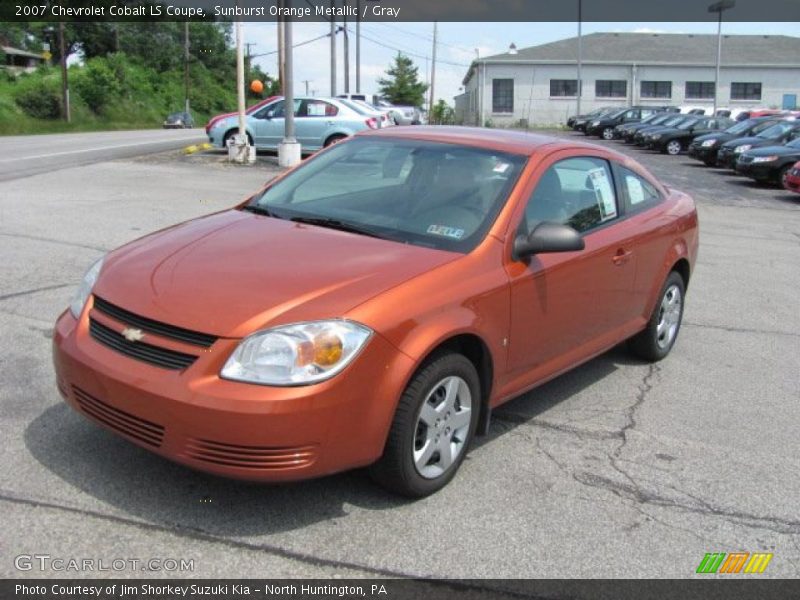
(621, 257)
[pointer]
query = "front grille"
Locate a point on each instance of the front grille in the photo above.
(160, 357)
(744, 159)
(250, 457)
(120, 421)
(163, 329)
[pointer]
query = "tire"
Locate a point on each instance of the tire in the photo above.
(710, 162)
(783, 174)
(658, 338)
(431, 411)
(336, 137)
(608, 133)
(229, 134)
(673, 147)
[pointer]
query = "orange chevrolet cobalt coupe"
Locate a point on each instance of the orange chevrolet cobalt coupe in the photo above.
(373, 305)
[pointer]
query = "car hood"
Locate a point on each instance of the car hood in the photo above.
(720, 137)
(770, 150)
(755, 141)
(231, 273)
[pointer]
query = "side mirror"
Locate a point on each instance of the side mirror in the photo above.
(548, 237)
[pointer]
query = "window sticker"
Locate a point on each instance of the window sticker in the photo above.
(635, 189)
(501, 167)
(604, 194)
(316, 109)
(445, 231)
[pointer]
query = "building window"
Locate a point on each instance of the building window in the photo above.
(563, 87)
(699, 90)
(503, 95)
(611, 88)
(656, 89)
(745, 91)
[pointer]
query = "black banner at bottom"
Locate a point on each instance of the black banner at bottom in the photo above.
(397, 589)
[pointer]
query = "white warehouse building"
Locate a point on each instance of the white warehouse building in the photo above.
(538, 85)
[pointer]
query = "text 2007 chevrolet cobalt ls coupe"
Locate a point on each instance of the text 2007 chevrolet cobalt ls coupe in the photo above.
(371, 306)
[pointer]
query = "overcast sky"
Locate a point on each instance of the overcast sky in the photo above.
(456, 47)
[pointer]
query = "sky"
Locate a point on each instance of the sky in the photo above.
(456, 47)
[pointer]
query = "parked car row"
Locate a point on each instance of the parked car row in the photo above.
(765, 148)
(319, 122)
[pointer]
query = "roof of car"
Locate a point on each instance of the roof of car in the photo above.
(518, 142)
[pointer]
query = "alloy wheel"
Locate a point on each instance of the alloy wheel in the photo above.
(673, 148)
(669, 316)
(442, 427)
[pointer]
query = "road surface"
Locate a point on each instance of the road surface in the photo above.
(25, 155)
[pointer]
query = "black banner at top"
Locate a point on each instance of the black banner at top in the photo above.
(403, 10)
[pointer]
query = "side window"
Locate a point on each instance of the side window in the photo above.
(640, 192)
(317, 108)
(578, 192)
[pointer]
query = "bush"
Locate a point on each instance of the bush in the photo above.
(39, 99)
(97, 84)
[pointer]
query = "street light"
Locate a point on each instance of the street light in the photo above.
(719, 7)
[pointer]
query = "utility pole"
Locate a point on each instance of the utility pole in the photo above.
(247, 59)
(346, 58)
(289, 148)
(64, 81)
(186, 65)
(358, 46)
(240, 81)
(281, 57)
(719, 7)
(433, 73)
(333, 53)
(307, 81)
(580, 57)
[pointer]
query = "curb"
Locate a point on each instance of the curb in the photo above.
(197, 148)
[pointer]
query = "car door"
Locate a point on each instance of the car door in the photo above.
(314, 119)
(565, 306)
(266, 123)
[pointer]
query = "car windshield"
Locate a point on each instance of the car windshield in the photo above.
(794, 143)
(743, 127)
(436, 195)
(672, 122)
(687, 123)
(616, 113)
(357, 106)
(651, 118)
(776, 131)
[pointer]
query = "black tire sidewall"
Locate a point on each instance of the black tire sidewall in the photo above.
(650, 335)
(399, 451)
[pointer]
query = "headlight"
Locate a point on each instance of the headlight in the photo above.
(85, 288)
(656, 136)
(742, 148)
(761, 159)
(708, 143)
(595, 123)
(297, 354)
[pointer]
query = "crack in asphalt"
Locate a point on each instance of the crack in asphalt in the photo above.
(740, 329)
(35, 291)
(38, 238)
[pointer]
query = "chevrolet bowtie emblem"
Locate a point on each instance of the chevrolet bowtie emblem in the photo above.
(132, 335)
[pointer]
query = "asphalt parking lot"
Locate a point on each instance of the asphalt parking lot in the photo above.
(617, 469)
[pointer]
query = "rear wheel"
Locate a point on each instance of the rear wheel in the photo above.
(233, 132)
(335, 138)
(432, 427)
(657, 339)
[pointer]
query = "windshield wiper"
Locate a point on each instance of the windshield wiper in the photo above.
(336, 224)
(259, 210)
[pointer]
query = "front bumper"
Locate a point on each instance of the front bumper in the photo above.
(757, 171)
(703, 153)
(727, 159)
(229, 428)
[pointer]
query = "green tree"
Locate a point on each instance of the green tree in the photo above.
(442, 114)
(402, 85)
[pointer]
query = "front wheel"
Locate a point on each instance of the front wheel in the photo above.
(657, 339)
(608, 133)
(673, 148)
(783, 175)
(432, 428)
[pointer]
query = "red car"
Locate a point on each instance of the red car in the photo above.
(373, 305)
(250, 110)
(792, 179)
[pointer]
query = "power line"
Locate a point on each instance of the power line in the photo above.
(414, 54)
(297, 45)
(422, 36)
